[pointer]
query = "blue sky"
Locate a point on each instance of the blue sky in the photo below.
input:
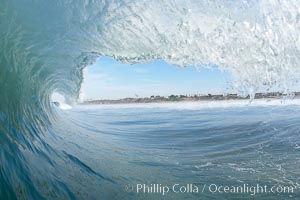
(110, 79)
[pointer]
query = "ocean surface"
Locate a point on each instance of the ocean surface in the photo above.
(105, 151)
(109, 152)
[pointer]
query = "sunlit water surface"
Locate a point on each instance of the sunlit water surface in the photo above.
(227, 144)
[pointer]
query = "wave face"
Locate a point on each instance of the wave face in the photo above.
(44, 45)
(50, 42)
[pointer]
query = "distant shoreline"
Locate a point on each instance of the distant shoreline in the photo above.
(184, 98)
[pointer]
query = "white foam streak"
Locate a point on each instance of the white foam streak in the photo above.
(200, 105)
(64, 106)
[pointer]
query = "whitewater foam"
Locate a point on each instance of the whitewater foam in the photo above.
(201, 104)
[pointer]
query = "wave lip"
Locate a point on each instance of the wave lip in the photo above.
(46, 45)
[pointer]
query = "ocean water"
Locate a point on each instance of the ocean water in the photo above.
(100, 151)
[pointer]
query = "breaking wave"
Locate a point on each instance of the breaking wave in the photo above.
(45, 45)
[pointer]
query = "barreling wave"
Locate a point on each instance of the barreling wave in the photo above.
(44, 46)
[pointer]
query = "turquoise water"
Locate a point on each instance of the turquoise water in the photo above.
(95, 152)
(99, 152)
